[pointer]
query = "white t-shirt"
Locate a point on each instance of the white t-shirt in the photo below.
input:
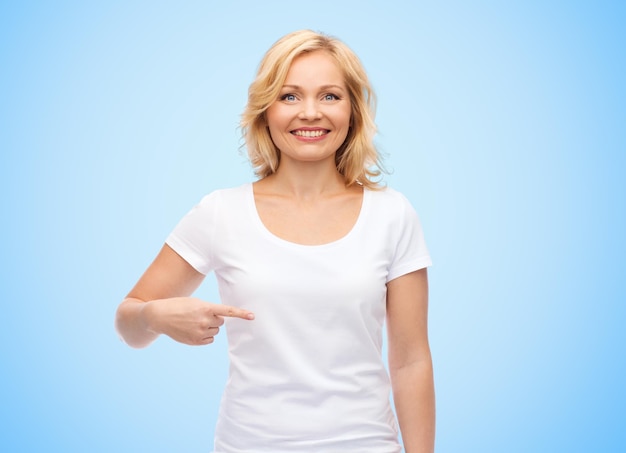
(307, 374)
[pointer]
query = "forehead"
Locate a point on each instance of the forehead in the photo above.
(315, 68)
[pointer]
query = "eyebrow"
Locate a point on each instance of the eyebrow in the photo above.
(323, 87)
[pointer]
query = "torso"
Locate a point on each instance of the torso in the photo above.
(307, 374)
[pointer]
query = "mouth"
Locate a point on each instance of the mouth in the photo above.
(310, 133)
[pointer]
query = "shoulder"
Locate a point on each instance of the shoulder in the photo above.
(228, 195)
(216, 203)
(389, 200)
(393, 209)
(386, 192)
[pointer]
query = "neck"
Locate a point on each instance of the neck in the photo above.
(306, 180)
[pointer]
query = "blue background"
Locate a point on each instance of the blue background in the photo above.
(503, 122)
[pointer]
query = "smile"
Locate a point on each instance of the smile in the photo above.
(309, 133)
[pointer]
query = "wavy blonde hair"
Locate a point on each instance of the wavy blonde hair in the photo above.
(357, 159)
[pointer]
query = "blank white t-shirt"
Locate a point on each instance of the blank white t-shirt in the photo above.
(306, 375)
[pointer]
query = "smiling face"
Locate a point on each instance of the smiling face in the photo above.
(311, 117)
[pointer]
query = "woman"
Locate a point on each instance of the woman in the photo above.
(310, 260)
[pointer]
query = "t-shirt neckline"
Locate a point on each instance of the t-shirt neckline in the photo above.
(260, 226)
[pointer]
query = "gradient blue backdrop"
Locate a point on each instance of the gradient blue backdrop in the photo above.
(503, 122)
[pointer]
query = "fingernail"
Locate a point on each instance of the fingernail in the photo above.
(250, 316)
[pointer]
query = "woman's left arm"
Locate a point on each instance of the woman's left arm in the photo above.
(410, 363)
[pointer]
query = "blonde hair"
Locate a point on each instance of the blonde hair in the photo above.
(357, 159)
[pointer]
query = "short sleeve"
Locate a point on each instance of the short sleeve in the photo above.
(193, 236)
(411, 253)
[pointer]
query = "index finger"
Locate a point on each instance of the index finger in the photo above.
(232, 312)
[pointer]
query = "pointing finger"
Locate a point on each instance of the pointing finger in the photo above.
(232, 312)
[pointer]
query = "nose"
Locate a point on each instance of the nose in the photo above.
(310, 110)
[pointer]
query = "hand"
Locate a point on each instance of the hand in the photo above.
(189, 320)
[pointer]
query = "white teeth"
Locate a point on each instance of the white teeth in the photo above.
(316, 133)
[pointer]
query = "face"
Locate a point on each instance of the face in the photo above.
(310, 119)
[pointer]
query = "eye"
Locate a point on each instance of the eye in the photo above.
(288, 97)
(331, 97)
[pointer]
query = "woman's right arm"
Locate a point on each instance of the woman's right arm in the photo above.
(160, 303)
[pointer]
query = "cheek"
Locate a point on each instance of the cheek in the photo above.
(275, 133)
(274, 136)
(347, 115)
(273, 116)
